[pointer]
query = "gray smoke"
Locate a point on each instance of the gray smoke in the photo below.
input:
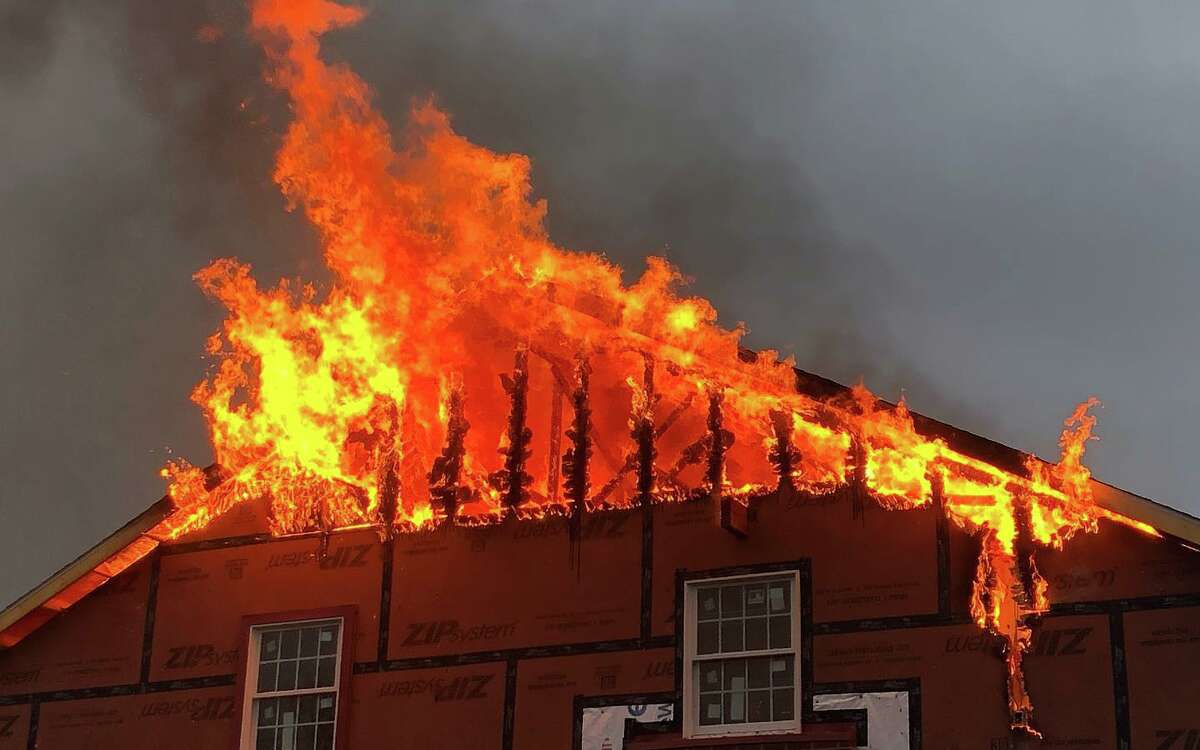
(992, 208)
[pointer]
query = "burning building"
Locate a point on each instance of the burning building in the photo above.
(481, 492)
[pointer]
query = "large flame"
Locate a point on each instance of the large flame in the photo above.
(444, 277)
(431, 378)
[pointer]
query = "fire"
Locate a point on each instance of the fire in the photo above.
(462, 367)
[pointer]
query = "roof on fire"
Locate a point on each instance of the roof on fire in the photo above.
(130, 542)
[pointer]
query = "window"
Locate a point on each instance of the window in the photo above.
(740, 646)
(292, 675)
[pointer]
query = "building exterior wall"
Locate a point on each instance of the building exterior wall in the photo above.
(501, 636)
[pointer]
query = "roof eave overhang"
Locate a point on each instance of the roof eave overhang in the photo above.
(1167, 520)
(83, 575)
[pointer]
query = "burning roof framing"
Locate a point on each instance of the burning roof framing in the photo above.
(1006, 600)
(463, 369)
(167, 521)
(336, 407)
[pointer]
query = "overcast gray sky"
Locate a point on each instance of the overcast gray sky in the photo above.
(989, 207)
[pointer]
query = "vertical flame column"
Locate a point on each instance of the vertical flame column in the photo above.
(1004, 603)
(1029, 603)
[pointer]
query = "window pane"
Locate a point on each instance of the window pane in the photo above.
(708, 607)
(267, 714)
(325, 707)
(270, 646)
(308, 642)
(287, 675)
(306, 676)
(306, 737)
(265, 740)
(735, 708)
(286, 739)
(781, 632)
(289, 641)
(758, 705)
(308, 709)
(756, 599)
(735, 674)
(731, 635)
(710, 708)
(731, 601)
(707, 638)
(328, 639)
(779, 596)
(287, 710)
(756, 633)
(781, 671)
(325, 737)
(758, 673)
(710, 675)
(326, 670)
(266, 677)
(784, 706)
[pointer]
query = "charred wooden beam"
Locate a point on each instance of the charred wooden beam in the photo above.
(325, 524)
(643, 435)
(642, 431)
(389, 494)
(512, 480)
(783, 456)
(686, 459)
(388, 468)
(445, 477)
(858, 489)
(715, 474)
(615, 481)
(675, 414)
(692, 454)
(1023, 549)
(575, 461)
(734, 515)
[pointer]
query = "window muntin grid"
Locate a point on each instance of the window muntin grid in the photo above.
(747, 690)
(742, 655)
(737, 617)
(298, 657)
(295, 722)
(294, 678)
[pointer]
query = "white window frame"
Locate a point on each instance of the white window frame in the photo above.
(691, 660)
(251, 693)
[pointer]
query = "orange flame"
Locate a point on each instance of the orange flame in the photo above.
(442, 269)
(336, 405)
